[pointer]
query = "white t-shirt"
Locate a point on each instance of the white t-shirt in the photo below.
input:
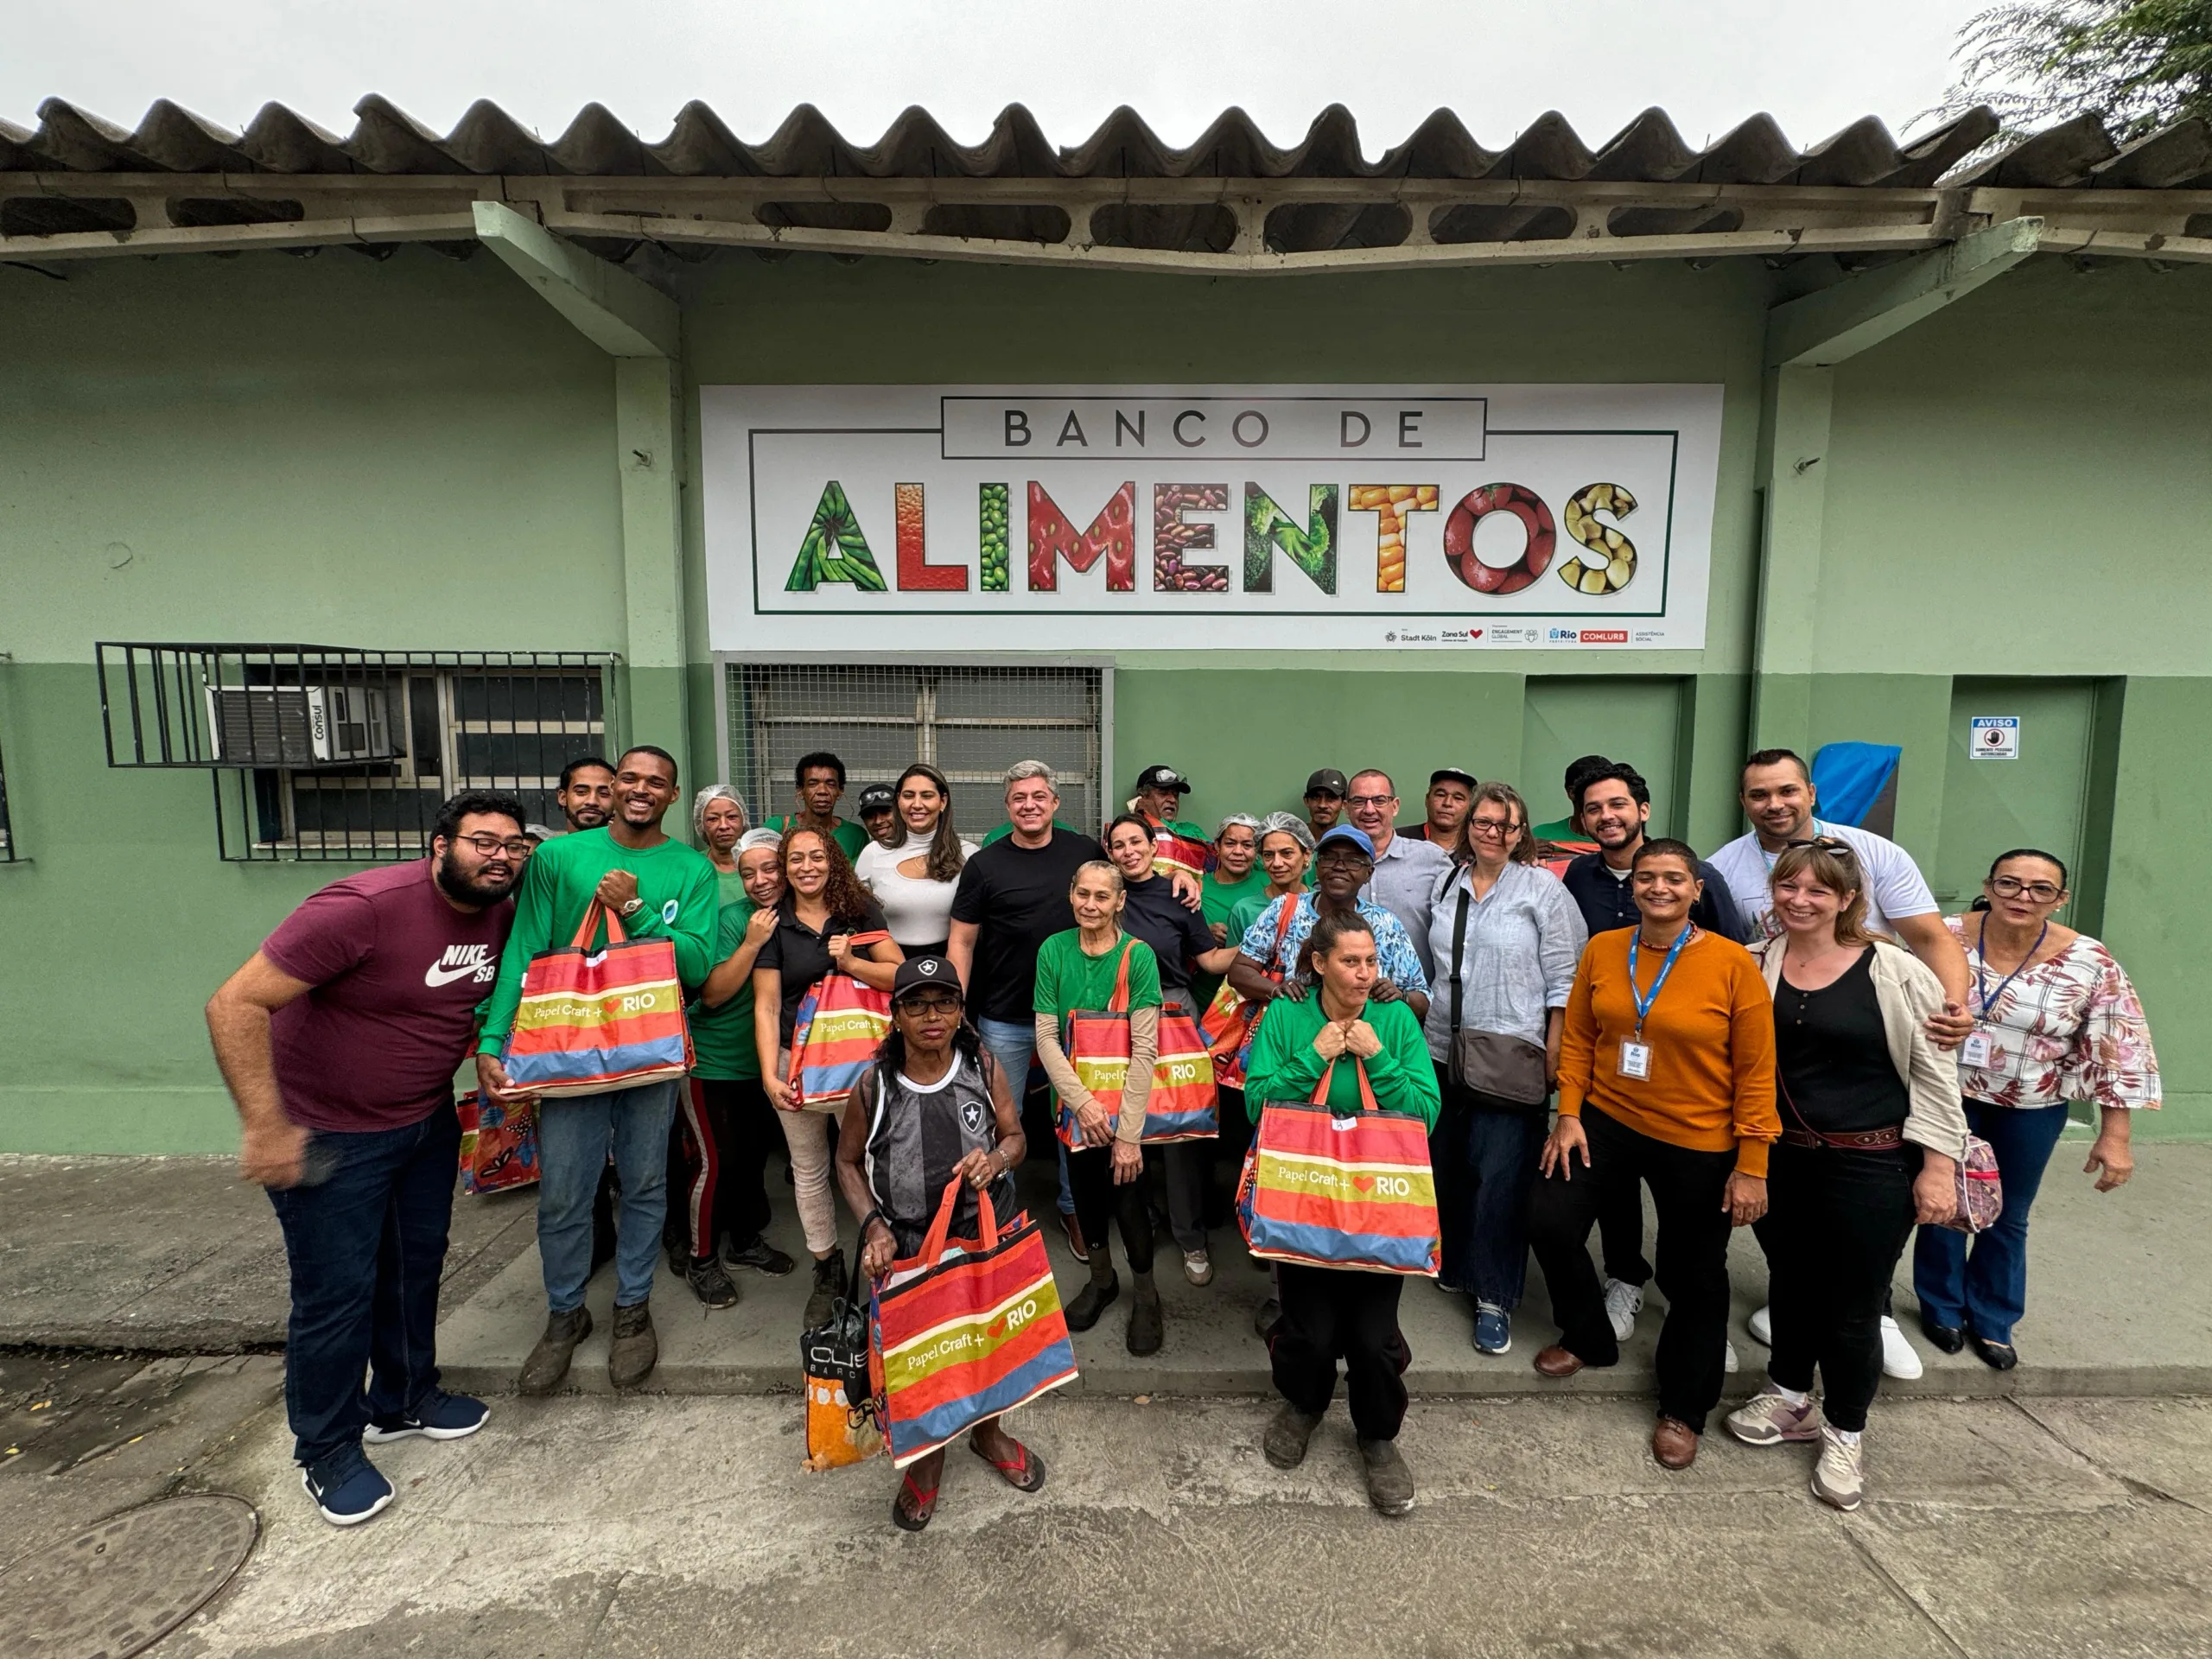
(917, 910)
(1895, 885)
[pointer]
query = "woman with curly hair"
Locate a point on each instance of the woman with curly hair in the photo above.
(825, 923)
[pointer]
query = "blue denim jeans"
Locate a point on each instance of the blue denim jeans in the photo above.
(1485, 1163)
(1013, 1046)
(574, 1134)
(1984, 1286)
(367, 1246)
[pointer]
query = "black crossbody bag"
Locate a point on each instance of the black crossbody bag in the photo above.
(1508, 1068)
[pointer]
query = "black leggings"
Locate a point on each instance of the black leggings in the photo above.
(1091, 1178)
(1835, 1225)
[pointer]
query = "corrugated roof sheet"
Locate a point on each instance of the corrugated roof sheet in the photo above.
(486, 140)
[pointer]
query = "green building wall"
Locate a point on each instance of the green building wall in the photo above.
(418, 453)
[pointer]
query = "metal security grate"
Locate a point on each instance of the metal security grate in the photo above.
(321, 753)
(971, 723)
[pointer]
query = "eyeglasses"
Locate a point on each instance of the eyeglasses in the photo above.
(1371, 800)
(2011, 887)
(930, 1005)
(1500, 827)
(485, 845)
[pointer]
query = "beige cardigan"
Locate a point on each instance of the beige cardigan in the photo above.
(1909, 992)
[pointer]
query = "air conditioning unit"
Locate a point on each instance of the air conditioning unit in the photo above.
(298, 725)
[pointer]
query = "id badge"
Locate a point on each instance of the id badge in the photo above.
(1636, 1061)
(1978, 1051)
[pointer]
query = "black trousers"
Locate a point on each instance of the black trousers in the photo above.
(1620, 1237)
(1098, 1199)
(1330, 1314)
(1836, 1224)
(717, 1157)
(1686, 1188)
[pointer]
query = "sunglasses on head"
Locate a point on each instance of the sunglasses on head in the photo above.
(1831, 845)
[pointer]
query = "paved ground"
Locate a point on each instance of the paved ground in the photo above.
(177, 1256)
(680, 1526)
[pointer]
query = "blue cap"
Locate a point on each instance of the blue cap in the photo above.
(1346, 832)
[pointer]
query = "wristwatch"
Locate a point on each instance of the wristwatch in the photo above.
(634, 907)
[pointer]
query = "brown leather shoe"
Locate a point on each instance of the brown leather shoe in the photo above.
(1673, 1443)
(1555, 1361)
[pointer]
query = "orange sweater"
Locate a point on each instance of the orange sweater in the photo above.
(1712, 1039)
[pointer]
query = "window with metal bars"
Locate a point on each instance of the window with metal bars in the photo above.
(969, 722)
(327, 753)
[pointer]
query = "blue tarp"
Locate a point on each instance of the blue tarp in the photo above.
(1849, 779)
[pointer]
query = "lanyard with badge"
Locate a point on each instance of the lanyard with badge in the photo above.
(1636, 1053)
(1980, 1050)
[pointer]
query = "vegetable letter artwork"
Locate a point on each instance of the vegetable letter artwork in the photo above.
(1261, 517)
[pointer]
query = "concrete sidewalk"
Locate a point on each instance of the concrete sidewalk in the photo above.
(177, 1256)
(2116, 1306)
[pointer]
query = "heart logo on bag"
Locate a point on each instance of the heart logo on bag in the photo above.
(998, 1330)
(1365, 1183)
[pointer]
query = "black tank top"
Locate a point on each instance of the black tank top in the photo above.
(917, 1136)
(1832, 1055)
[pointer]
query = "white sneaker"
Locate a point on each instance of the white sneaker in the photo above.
(1767, 1419)
(1624, 1301)
(1899, 1357)
(1729, 1362)
(1197, 1267)
(1761, 1327)
(1840, 1477)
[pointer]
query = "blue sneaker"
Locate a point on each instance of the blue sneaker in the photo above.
(1493, 1328)
(437, 1415)
(347, 1487)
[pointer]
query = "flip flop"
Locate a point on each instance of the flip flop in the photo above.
(925, 1506)
(1025, 1475)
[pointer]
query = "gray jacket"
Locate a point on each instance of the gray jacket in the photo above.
(1908, 992)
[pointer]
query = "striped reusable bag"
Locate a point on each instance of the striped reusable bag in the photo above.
(1182, 1104)
(1230, 1021)
(1330, 1191)
(840, 1024)
(966, 1329)
(592, 1020)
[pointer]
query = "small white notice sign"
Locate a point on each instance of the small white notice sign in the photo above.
(1995, 737)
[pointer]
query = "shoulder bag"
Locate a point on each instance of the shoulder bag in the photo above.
(1491, 1063)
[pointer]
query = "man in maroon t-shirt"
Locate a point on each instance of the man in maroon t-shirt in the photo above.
(339, 1039)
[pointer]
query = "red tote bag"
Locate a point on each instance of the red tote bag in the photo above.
(1231, 1019)
(592, 1020)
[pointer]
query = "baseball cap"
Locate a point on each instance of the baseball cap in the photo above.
(1453, 774)
(923, 973)
(1163, 778)
(1328, 781)
(1346, 832)
(876, 798)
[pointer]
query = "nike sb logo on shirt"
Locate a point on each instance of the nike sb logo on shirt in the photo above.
(462, 962)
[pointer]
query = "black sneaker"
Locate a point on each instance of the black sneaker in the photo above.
(762, 1257)
(709, 1283)
(1091, 1301)
(829, 1285)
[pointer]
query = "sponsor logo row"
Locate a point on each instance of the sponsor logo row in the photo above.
(1493, 635)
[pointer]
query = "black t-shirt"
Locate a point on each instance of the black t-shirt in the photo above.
(802, 954)
(1832, 1055)
(1176, 934)
(1017, 897)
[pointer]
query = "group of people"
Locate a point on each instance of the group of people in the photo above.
(1789, 1036)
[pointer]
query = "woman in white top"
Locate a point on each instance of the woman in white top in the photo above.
(2055, 1021)
(915, 880)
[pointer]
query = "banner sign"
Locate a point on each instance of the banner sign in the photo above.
(1276, 518)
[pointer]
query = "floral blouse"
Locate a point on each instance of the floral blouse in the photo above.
(2071, 1029)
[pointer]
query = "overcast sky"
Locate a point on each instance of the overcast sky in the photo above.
(1499, 63)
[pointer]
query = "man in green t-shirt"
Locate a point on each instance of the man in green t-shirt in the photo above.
(820, 780)
(661, 889)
